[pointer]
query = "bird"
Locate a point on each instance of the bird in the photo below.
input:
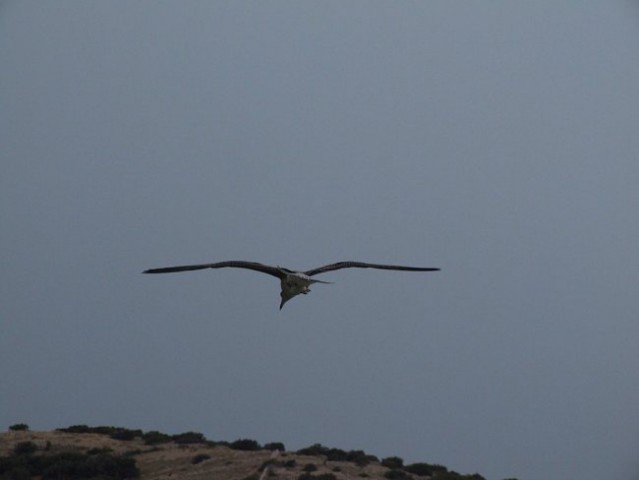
(292, 282)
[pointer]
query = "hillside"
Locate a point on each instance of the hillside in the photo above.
(111, 453)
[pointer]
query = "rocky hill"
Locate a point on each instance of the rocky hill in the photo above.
(117, 453)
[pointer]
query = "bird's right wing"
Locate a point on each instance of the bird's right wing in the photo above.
(349, 264)
(258, 267)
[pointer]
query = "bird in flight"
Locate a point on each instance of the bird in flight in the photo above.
(292, 282)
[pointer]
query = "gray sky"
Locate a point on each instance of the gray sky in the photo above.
(496, 140)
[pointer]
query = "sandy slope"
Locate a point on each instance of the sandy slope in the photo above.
(172, 461)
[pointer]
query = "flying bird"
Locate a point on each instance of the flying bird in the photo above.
(292, 282)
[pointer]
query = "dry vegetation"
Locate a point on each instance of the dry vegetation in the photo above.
(202, 459)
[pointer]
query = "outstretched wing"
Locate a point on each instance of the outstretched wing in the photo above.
(340, 265)
(258, 267)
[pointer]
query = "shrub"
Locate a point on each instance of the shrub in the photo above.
(360, 458)
(155, 437)
(425, 469)
(99, 451)
(323, 476)
(125, 434)
(309, 467)
(18, 473)
(336, 455)
(75, 429)
(245, 444)
(74, 465)
(118, 433)
(19, 427)
(274, 446)
(67, 466)
(316, 449)
(396, 474)
(108, 465)
(199, 458)
(25, 448)
(136, 451)
(188, 437)
(393, 462)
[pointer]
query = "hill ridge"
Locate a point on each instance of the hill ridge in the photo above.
(118, 453)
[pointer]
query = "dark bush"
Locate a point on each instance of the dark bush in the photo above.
(189, 437)
(336, 455)
(10, 463)
(323, 476)
(393, 462)
(25, 448)
(75, 465)
(118, 433)
(245, 444)
(136, 451)
(99, 451)
(64, 466)
(396, 474)
(316, 449)
(125, 434)
(274, 446)
(75, 429)
(18, 473)
(199, 458)
(425, 469)
(155, 437)
(360, 458)
(19, 427)
(309, 467)
(110, 466)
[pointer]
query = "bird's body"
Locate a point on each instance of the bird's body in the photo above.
(292, 282)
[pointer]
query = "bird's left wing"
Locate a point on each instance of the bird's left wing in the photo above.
(349, 264)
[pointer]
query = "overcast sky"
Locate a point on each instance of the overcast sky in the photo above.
(497, 140)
